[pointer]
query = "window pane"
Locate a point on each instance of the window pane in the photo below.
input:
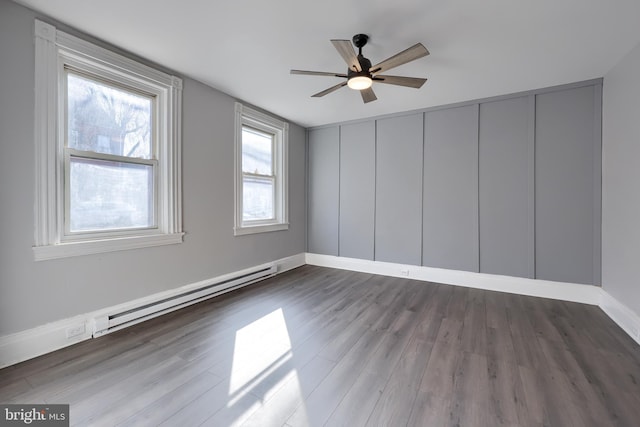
(257, 198)
(108, 195)
(107, 120)
(256, 152)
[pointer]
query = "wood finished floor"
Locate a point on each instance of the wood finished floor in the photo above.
(318, 346)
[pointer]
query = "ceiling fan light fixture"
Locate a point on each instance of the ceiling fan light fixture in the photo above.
(361, 74)
(359, 82)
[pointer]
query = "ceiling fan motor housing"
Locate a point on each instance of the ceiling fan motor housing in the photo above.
(365, 65)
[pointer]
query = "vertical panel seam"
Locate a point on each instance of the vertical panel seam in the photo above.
(477, 198)
(422, 193)
(375, 185)
(531, 152)
(597, 169)
(306, 189)
(339, 187)
(424, 186)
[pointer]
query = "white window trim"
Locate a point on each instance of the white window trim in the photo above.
(55, 49)
(256, 119)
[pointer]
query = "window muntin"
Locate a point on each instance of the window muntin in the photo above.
(261, 174)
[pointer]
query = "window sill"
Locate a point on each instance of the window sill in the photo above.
(65, 250)
(240, 231)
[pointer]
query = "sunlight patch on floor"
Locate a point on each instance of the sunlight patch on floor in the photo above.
(263, 369)
(261, 349)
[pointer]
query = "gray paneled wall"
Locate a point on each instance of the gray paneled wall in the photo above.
(324, 190)
(504, 192)
(398, 230)
(357, 189)
(507, 186)
(451, 188)
(564, 185)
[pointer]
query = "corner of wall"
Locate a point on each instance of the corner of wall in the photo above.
(622, 315)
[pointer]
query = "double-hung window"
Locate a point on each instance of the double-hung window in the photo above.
(107, 150)
(110, 163)
(261, 175)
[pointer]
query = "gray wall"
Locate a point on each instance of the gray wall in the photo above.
(564, 185)
(508, 185)
(451, 188)
(398, 181)
(620, 182)
(324, 191)
(33, 293)
(505, 176)
(357, 190)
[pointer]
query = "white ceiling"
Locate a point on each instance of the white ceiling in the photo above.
(246, 48)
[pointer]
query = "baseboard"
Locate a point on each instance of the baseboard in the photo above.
(25, 345)
(622, 315)
(585, 294)
(289, 263)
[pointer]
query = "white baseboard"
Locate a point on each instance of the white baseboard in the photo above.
(24, 345)
(624, 317)
(573, 292)
(289, 263)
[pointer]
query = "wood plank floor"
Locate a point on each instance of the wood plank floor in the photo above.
(318, 346)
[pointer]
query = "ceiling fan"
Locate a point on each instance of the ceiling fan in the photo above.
(361, 74)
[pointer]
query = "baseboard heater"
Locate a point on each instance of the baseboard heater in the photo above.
(116, 321)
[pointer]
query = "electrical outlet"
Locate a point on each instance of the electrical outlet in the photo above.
(74, 331)
(404, 272)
